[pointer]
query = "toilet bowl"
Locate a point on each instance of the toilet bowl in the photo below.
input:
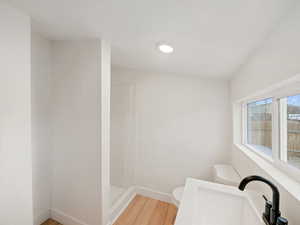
(222, 174)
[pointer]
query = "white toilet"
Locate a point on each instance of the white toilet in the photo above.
(222, 173)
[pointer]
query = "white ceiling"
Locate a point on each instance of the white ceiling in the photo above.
(211, 38)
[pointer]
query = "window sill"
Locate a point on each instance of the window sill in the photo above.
(259, 153)
(289, 184)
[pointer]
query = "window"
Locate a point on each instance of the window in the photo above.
(259, 125)
(290, 130)
(272, 128)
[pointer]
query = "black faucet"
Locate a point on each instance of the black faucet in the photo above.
(271, 216)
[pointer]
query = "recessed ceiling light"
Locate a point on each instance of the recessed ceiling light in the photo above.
(165, 48)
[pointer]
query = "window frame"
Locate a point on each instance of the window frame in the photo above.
(282, 163)
(279, 135)
(244, 140)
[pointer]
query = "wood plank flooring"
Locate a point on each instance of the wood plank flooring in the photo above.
(147, 211)
(142, 211)
(51, 222)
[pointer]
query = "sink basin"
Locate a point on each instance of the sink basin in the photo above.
(206, 203)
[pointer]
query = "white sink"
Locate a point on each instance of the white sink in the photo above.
(206, 203)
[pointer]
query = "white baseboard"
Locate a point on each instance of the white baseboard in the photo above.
(118, 208)
(147, 192)
(122, 203)
(65, 219)
(42, 217)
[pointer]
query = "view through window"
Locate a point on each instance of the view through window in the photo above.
(293, 130)
(259, 125)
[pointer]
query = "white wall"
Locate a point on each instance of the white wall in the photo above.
(122, 149)
(15, 119)
(79, 68)
(277, 60)
(182, 127)
(104, 111)
(41, 126)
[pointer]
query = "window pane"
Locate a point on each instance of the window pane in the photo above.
(293, 130)
(259, 125)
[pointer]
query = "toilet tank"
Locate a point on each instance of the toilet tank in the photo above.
(226, 174)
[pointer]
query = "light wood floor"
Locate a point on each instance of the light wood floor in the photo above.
(143, 211)
(51, 222)
(147, 211)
